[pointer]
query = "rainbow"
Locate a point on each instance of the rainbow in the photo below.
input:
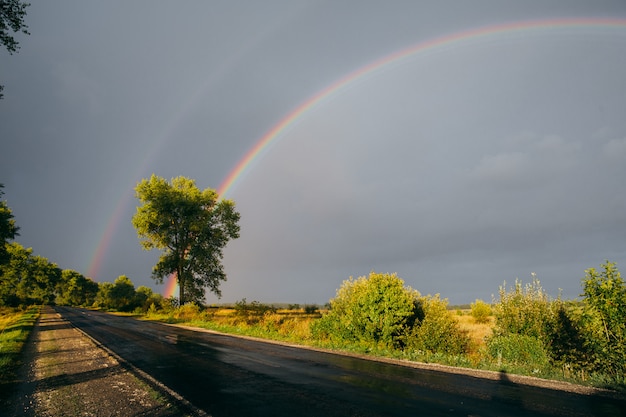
(105, 241)
(453, 40)
(171, 287)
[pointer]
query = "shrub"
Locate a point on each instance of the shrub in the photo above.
(518, 349)
(568, 347)
(604, 319)
(252, 312)
(310, 309)
(525, 310)
(377, 309)
(437, 331)
(481, 311)
(188, 311)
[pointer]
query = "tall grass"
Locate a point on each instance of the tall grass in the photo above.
(285, 325)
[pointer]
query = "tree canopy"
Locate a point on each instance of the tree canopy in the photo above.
(191, 227)
(8, 228)
(12, 13)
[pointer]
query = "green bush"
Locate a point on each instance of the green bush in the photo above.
(188, 311)
(436, 331)
(604, 320)
(481, 311)
(377, 309)
(525, 310)
(518, 349)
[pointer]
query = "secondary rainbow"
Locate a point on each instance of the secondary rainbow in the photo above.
(454, 40)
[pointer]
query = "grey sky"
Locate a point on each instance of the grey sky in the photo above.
(459, 168)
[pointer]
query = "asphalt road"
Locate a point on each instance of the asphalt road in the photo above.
(230, 376)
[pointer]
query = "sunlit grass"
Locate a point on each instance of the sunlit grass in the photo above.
(294, 327)
(478, 332)
(15, 326)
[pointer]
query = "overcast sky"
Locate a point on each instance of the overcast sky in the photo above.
(461, 167)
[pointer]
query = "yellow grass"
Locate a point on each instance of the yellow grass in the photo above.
(478, 332)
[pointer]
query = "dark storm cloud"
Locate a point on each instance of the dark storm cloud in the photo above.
(458, 169)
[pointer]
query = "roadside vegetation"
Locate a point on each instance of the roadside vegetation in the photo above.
(522, 331)
(15, 327)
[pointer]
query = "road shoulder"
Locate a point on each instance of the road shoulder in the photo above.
(66, 374)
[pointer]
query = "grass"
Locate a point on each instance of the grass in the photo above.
(293, 326)
(15, 327)
(478, 333)
(283, 325)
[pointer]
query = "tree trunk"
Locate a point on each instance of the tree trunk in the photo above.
(181, 286)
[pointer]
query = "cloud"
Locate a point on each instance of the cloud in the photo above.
(615, 150)
(505, 168)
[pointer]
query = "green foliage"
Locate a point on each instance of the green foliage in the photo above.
(145, 299)
(191, 227)
(437, 331)
(569, 347)
(311, 309)
(252, 312)
(187, 311)
(377, 309)
(525, 310)
(480, 311)
(74, 289)
(26, 279)
(102, 297)
(519, 349)
(12, 13)
(604, 319)
(122, 294)
(15, 326)
(8, 228)
(527, 324)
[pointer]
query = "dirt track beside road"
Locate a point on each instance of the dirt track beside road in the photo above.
(66, 374)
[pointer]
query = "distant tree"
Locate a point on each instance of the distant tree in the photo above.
(27, 279)
(145, 297)
(103, 298)
(44, 276)
(12, 13)
(11, 273)
(75, 289)
(191, 227)
(480, 311)
(8, 229)
(122, 294)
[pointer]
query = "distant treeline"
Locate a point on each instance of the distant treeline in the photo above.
(27, 279)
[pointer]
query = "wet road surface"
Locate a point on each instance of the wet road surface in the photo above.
(230, 376)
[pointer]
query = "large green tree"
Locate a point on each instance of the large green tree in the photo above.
(8, 229)
(12, 13)
(191, 227)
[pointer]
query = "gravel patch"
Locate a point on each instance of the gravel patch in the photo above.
(67, 374)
